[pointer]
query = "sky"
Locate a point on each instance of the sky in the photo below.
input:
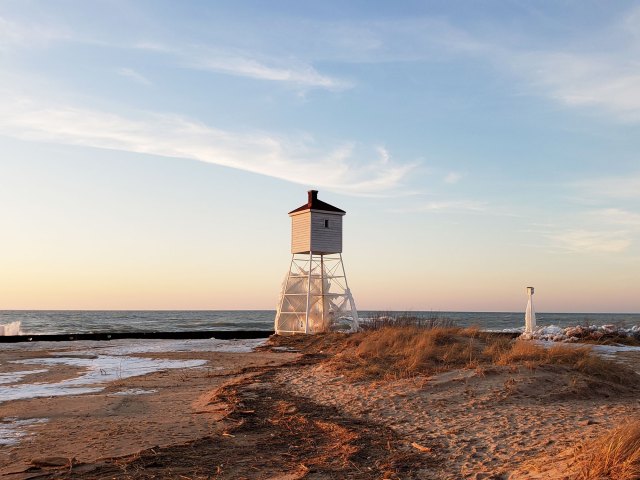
(150, 151)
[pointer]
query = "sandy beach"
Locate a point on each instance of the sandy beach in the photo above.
(213, 409)
(127, 413)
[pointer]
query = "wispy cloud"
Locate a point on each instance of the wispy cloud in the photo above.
(134, 75)
(19, 34)
(592, 241)
(411, 39)
(597, 71)
(291, 70)
(450, 206)
(609, 82)
(610, 223)
(295, 73)
(604, 230)
(342, 167)
(452, 178)
(243, 64)
(618, 216)
(611, 187)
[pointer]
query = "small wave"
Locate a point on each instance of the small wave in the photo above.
(12, 328)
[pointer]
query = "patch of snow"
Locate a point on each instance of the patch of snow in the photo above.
(14, 377)
(132, 391)
(13, 429)
(134, 346)
(104, 368)
(104, 362)
(509, 330)
(615, 348)
(579, 333)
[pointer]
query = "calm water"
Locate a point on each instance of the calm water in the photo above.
(63, 322)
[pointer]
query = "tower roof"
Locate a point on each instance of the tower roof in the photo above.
(314, 204)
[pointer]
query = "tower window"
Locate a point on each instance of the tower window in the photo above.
(326, 224)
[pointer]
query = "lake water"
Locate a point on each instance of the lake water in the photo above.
(74, 321)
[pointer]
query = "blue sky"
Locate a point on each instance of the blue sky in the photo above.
(151, 150)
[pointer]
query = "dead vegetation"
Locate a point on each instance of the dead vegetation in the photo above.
(400, 352)
(272, 434)
(392, 319)
(615, 455)
(579, 359)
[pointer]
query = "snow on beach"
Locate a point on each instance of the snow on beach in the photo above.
(580, 333)
(97, 364)
(13, 429)
(103, 362)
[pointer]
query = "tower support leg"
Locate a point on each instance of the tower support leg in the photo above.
(354, 311)
(306, 317)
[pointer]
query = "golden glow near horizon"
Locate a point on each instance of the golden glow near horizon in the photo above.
(71, 267)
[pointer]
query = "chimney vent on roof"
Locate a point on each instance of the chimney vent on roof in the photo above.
(313, 196)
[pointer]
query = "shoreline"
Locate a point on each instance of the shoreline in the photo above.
(85, 322)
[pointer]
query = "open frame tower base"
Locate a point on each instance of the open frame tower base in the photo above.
(315, 296)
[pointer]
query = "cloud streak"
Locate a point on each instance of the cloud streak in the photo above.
(292, 71)
(243, 64)
(604, 230)
(343, 167)
(597, 71)
(606, 82)
(297, 74)
(446, 206)
(452, 178)
(134, 75)
(592, 241)
(618, 216)
(15, 34)
(625, 187)
(600, 71)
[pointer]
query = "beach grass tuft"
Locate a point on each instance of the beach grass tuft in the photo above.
(399, 352)
(382, 320)
(615, 455)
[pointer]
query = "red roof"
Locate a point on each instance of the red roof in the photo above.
(314, 204)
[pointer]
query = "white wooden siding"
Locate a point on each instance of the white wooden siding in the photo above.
(326, 240)
(301, 232)
(308, 232)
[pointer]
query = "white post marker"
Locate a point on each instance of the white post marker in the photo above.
(530, 314)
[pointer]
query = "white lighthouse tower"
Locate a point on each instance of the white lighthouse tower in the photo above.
(315, 295)
(530, 314)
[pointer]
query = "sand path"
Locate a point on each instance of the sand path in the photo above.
(483, 424)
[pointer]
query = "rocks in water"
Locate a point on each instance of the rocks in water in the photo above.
(583, 333)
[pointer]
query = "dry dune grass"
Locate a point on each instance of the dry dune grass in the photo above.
(580, 359)
(404, 351)
(615, 455)
(397, 352)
